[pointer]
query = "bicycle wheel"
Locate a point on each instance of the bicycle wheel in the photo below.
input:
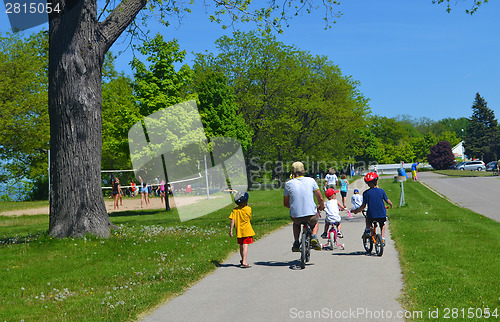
(308, 247)
(379, 245)
(368, 244)
(303, 248)
(331, 240)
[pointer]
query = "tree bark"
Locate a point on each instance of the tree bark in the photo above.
(77, 46)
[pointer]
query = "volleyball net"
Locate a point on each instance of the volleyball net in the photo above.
(195, 185)
(194, 189)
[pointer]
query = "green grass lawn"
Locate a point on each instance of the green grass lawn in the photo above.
(449, 255)
(151, 258)
(468, 173)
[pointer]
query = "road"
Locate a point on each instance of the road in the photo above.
(476, 193)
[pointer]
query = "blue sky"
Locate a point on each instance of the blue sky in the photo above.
(411, 57)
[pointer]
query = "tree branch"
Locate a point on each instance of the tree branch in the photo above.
(118, 20)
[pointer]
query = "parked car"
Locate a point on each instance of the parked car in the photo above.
(491, 166)
(455, 166)
(472, 165)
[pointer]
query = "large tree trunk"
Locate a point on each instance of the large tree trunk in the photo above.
(76, 202)
(77, 46)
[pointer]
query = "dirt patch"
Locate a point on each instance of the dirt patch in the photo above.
(128, 204)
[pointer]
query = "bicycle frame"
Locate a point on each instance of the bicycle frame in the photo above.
(373, 227)
(332, 238)
(374, 239)
(373, 230)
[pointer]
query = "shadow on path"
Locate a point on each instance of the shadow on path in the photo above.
(359, 252)
(218, 264)
(295, 264)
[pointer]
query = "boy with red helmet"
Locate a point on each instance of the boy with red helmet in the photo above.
(374, 198)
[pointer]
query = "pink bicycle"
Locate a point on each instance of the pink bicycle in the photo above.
(332, 243)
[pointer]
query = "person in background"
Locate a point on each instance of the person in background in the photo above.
(344, 184)
(133, 189)
(356, 200)
(414, 170)
(143, 190)
(162, 191)
(120, 194)
(330, 179)
(116, 192)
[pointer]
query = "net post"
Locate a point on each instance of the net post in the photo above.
(206, 177)
(167, 183)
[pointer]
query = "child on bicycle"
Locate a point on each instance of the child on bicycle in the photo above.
(374, 198)
(240, 217)
(332, 209)
(356, 200)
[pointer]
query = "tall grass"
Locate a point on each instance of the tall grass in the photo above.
(151, 258)
(449, 255)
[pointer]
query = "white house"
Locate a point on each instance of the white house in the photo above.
(459, 151)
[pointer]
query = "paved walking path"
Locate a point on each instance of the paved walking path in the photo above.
(476, 193)
(345, 285)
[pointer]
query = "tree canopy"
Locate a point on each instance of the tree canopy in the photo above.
(296, 104)
(24, 118)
